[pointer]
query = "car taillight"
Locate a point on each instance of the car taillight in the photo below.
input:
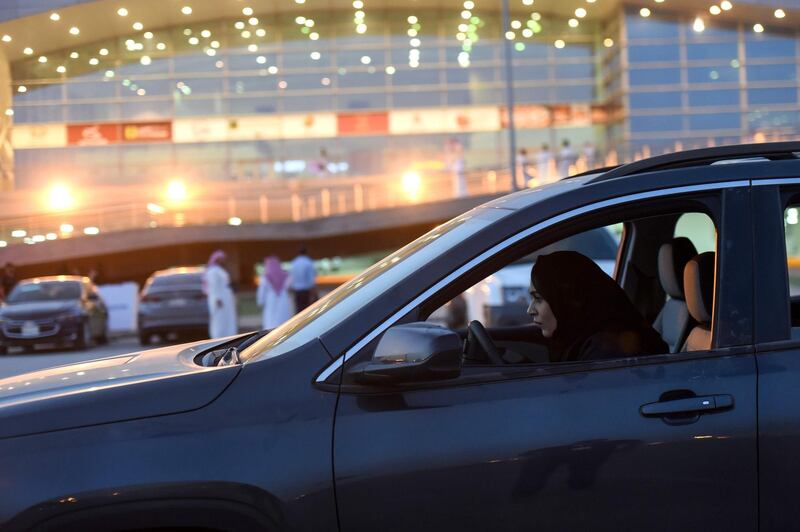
(151, 299)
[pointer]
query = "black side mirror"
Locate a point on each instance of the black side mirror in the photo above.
(413, 352)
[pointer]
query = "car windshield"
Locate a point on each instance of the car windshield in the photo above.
(45, 291)
(356, 293)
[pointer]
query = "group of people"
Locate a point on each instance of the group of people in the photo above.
(548, 165)
(273, 295)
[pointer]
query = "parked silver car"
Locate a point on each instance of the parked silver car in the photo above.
(172, 303)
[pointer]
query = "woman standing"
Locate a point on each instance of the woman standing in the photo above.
(221, 301)
(273, 294)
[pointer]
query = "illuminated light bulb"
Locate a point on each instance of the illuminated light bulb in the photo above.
(42, 59)
(510, 35)
(214, 44)
(74, 55)
(313, 36)
(645, 12)
(74, 30)
(261, 32)
(186, 10)
(261, 60)
(516, 24)
(252, 48)
(103, 51)
(161, 46)
(205, 34)
(94, 61)
(527, 33)
(309, 23)
(27, 51)
(365, 60)
(239, 25)
(273, 69)
(315, 56)
(253, 21)
(194, 41)
(580, 12)
(122, 12)
(247, 11)
(361, 28)
(412, 19)
(246, 34)
(573, 23)
(698, 25)
(22, 89)
(55, 17)
(300, 20)
(758, 28)
(779, 13)
(61, 69)
(6, 38)
(138, 26)
(145, 60)
(559, 44)
(390, 70)
(358, 4)
(608, 42)
(715, 10)
(726, 5)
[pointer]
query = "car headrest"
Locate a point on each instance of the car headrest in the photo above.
(698, 281)
(672, 259)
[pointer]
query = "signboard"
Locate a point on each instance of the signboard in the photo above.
(309, 126)
(147, 132)
(416, 121)
(466, 119)
(39, 136)
(92, 134)
(254, 127)
(200, 130)
(527, 116)
(363, 123)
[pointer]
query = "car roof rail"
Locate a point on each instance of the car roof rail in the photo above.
(705, 156)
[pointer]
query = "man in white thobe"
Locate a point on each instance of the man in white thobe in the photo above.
(221, 301)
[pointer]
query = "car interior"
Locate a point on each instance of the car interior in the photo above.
(666, 266)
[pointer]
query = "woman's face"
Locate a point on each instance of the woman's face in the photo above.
(542, 314)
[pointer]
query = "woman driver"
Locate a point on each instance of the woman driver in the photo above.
(584, 314)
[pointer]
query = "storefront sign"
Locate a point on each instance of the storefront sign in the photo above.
(92, 134)
(39, 136)
(147, 132)
(363, 124)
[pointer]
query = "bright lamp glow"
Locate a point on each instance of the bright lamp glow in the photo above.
(176, 191)
(412, 185)
(60, 198)
(91, 230)
(66, 229)
(234, 220)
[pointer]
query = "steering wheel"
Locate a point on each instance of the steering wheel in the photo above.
(478, 331)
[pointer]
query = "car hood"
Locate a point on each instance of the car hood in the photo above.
(37, 309)
(143, 384)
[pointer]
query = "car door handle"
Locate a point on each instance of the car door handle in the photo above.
(688, 405)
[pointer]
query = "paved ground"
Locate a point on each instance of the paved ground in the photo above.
(17, 362)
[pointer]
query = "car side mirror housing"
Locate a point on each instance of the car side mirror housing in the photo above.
(413, 352)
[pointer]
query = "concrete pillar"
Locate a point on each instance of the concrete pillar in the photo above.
(6, 122)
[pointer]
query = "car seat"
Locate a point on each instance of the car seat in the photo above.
(673, 322)
(698, 282)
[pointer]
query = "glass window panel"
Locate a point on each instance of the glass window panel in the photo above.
(159, 87)
(136, 68)
(199, 85)
(373, 100)
(258, 105)
(573, 93)
(249, 84)
(768, 46)
(654, 76)
(351, 58)
(458, 97)
(361, 79)
(90, 112)
(304, 60)
(701, 51)
(199, 106)
(650, 28)
(654, 100)
(715, 121)
(82, 91)
(416, 76)
(713, 97)
(715, 74)
(399, 56)
(786, 72)
(233, 63)
(772, 96)
(533, 51)
(147, 110)
(656, 123)
(319, 101)
(533, 95)
(773, 120)
(420, 99)
(529, 73)
(299, 82)
(581, 70)
(573, 50)
(711, 31)
(38, 93)
(648, 53)
(40, 113)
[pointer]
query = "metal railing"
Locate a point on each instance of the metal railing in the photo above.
(114, 209)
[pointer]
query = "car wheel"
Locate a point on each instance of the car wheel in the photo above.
(144, 338)
(3, 349)
(85, 338)
(103, 338)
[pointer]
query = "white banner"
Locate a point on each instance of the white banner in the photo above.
(122, 301)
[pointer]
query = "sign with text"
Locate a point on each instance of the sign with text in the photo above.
(147, 132)
(363, 123)
(92, 134)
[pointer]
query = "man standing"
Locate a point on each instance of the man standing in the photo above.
(304, 279)
(566, 158)
(221, 301)
(8, 279)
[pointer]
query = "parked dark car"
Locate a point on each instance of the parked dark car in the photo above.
(172, 303)
(61, 310)
(357, 414)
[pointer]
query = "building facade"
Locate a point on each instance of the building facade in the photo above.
(115, 92)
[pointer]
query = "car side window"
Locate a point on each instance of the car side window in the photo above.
(647, 314)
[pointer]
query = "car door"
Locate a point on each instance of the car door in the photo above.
(777, 314)
(568, 448)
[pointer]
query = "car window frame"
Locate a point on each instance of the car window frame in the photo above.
(329, 374)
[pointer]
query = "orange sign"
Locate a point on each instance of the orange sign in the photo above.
(147, 132)
(363, 123)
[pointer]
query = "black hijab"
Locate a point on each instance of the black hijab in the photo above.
(588, 304)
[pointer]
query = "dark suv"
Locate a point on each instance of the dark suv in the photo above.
(63, 309)
(358, 414)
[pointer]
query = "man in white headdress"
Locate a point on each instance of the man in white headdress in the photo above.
(221, 301)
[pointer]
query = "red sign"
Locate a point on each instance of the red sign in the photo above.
(147, 132)
(92, 134)
(363, 123)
